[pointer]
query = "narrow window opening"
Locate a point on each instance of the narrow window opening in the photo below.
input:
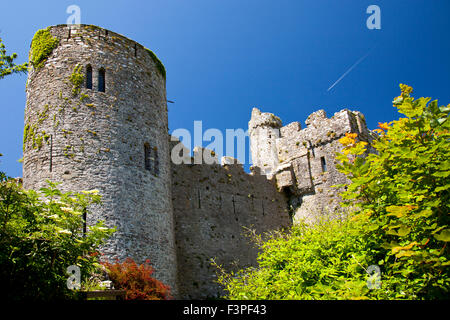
(70, 31)
(51, 153)
(101, 80)
(324, 164)
(135, 50)
(151, 160)
(84, 222)
(234, 205)
(155, 159)
(89, 77)
(147, 162)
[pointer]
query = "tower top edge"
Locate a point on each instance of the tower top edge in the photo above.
(92, 28)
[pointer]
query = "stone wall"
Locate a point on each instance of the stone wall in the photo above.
(305, 161)
(95, 140)
(264, 130)
(212, 206)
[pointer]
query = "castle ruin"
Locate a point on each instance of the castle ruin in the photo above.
(111, 133)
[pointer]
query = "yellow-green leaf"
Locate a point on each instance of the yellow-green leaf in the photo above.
(406, 253)
(443, 236)
(407, 247)
(403, 231)
(399, 211)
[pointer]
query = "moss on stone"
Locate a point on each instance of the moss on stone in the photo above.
(37, 143)
(77, 79)
(33, 137)
(44, 114)
(42, 46)
(26, 131)
(91, 132)
(83, 97)
(158, 63)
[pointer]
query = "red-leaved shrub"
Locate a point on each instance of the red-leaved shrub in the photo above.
(137, 280)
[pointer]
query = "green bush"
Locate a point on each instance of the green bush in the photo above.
(402, 195)
(41, 234)
(324, 261)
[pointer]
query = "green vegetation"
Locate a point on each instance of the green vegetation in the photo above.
(41, 235)
(403, 195)
(158, 63)
(31, 135)
(77, 79)
(42, 46)
(320, 262)
(83, 97)
(399, 199)
(7, 65)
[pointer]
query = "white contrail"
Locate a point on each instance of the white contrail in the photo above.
(350, 69)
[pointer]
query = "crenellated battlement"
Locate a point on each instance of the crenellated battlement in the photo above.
(303, 160)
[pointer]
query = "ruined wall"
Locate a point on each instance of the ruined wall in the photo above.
(95, 140)
(306, 164)
(212, 204)
(264, 130)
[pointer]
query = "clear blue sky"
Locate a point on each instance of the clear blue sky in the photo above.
(225, 57)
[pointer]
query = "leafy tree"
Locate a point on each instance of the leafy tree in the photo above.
(7, 65)
(41, 235)
(400, 198)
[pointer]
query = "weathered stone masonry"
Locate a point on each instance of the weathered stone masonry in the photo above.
(95, 140)
(213, 204)
(303, 160)
(178, 216)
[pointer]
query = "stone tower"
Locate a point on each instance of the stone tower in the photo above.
(96, 118)
(264, 130)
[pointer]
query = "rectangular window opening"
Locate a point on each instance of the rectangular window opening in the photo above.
(151, 160)
(324, 164)
(101, 80)
(51, 153)
(147, 161)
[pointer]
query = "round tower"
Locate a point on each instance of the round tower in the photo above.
(96, 118)
(264, 129)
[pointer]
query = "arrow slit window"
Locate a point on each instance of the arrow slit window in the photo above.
(101, 80)
(88, 77)
(151, 161)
